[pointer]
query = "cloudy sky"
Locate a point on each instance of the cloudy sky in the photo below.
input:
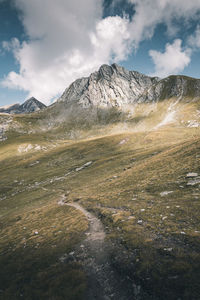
(45, 45)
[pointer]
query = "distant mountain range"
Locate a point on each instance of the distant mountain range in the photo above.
(30, 105)
(114, 86)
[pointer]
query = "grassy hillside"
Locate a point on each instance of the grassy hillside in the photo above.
(138, 183)
(66, 121)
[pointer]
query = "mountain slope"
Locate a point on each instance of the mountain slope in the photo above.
(112, 99)
(110, 86)
(10, 108)
(179, 86)
(115, 86)
(30, 105)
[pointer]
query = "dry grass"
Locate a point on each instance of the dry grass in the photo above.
(123, 185)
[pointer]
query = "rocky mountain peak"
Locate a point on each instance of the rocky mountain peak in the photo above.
(30, 105)
(105, 72)
(113, 85)
(109, 86)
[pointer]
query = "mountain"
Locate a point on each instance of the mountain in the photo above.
(29, 106)
(175, 86)
(99, 192)
(115, 86)
(10, 108)
(109, 86)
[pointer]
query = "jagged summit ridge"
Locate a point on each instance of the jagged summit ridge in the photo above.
(115, 86)
(30, 105)
(109, 86)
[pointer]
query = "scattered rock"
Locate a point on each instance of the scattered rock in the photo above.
(194, 182)
(168, 249)
(84, 166)
(34, 163)
(62, 200)
(192, 175)
(28, 147)
(123, 141)
(193, 124)
(63, 258)
(165, 193)
(24, 148)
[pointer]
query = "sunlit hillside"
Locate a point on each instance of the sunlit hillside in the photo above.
(137, 171)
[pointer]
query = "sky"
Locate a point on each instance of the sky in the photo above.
(46, 45)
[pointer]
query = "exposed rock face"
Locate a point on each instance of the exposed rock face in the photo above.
(110, 86)
(115, 86)
(30, 105)
(173, 86)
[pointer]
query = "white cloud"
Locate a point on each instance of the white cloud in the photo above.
(194, 40)
(172, 61)
(69, 39)
(11, 46)
(150, 13)
(112, 37)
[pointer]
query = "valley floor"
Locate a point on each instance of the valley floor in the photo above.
(106, 217)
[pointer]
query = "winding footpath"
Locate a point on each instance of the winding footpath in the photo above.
(104, 282)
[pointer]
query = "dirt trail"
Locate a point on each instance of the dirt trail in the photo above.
(104, 282)
(96, 232)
